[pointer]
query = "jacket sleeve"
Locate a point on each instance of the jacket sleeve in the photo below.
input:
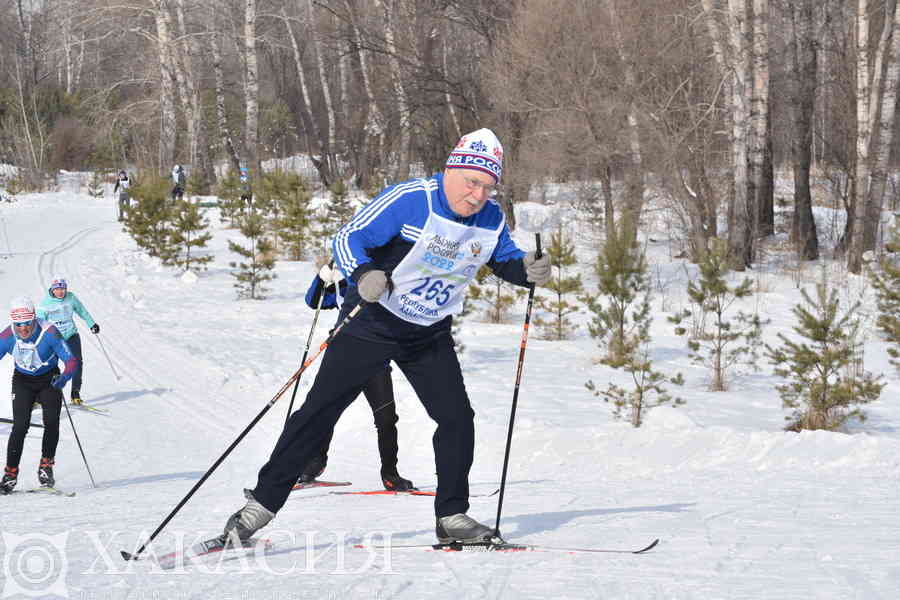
(40, 311)
(82, 311)
(507, 260)
(316, 288)
(375, 225)
(6, 341)
(61, 348)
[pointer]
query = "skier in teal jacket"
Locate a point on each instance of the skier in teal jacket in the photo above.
(59, 307)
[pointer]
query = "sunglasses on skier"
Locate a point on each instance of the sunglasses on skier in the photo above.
(23, 324)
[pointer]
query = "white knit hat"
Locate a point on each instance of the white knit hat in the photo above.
(21, 309)
(479, 150)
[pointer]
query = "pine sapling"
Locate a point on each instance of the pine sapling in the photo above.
(622, 278)
(190, 233)
(818, 393)
(290, 195)
(252, 273)
(648, 389)
(886, 281)
(726, 340)
(562, 255)
(96, 187)
(149, 219)
(493, 294)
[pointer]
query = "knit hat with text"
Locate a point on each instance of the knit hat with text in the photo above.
(479, 150)
(21, 310)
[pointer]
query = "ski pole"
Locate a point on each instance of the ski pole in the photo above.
(80, 449)
(515, 401)
(99, 341)
(309, 338)
(10, 421)
(215, 465)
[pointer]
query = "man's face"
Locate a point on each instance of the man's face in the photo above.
(467, 190)
(23, 330)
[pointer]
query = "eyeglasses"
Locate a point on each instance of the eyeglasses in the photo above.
(474, 184)
(23, 324)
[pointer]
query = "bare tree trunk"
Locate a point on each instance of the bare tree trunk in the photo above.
(179, 68)
(373, 140)
(251, 133)
(854, 256)
(168, 123)
(635, 178)
(759, 188)
(741, 215)
(803, 54)
(322, 164)
(328, 150)
(403, 157)
(451, 110)
(885, 130)
(221, 115)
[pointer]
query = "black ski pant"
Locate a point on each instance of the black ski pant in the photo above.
(123, 205)
(26, 390)
(348, 364)
(379, 393)
(74, 343)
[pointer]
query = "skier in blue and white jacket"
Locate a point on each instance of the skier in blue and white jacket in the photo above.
(59, 307)
(36, 347)
(409, 254)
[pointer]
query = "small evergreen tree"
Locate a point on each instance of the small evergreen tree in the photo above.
(259, 254)
(96, 187)
(149, 219)
(725, 341)
(493, 294)
(190, 232)
(228, 190)
(622, 277)
(818, 394)
(623, 327)
(289, 196)
(886, 281)
(648, 391)
(562, 255)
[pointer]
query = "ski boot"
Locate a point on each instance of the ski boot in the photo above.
(247, 521)
(45, 472)
(461, 528)
(395, 483)
(10, 476)
(314, 468)
(76, 398)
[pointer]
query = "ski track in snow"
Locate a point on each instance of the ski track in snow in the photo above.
(742, 509)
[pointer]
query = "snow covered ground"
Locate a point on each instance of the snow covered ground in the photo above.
(742, 509)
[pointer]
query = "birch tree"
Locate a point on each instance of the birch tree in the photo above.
(168, 123)
(221, 112)
(330, 142)
(402, 156)
(251, 87)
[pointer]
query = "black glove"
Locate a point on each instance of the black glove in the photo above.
(57, 382)
(95, 329)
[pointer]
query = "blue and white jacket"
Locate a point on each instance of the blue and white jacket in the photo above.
(317, 287)
(381, 234)
(61, 312)
(50, 348)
